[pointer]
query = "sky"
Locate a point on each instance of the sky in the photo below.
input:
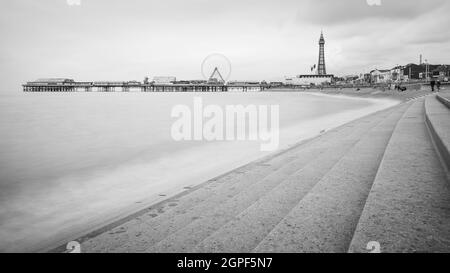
(262, 39)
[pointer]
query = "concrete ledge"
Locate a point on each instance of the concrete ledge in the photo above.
(445, 101)
(437, 117)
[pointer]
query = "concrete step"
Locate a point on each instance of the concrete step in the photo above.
(130, 234)
(324, 154)
(444, 98)
(208, 222)
(245, 232)
(408, 208)
(325, 219)
(137, 233)
(437, 116)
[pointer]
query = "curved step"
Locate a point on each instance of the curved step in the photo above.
(444, 99)
(325, 219)
(438, 120)
(210, 221)
(408, 208)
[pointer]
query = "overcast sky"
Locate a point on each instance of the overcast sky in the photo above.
(263, 39)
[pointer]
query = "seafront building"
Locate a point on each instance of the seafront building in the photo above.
(380, 76)
(309, 80)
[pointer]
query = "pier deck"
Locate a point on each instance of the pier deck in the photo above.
(139, 87)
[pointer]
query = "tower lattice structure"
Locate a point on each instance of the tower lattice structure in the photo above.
(321, 69)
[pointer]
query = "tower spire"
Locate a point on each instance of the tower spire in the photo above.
(321, 69)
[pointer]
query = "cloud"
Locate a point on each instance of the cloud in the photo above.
(118, 39)
(326, 12)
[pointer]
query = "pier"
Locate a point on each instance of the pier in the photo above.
(69, 85)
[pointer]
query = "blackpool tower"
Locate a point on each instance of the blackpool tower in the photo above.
(321, 70)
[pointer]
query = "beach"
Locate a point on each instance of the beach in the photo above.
(73, 162)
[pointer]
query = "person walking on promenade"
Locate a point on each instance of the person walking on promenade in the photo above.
(438, 85)
(432, 83)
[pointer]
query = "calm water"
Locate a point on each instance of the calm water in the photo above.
(69, 162)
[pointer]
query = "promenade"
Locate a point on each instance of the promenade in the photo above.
(382, 178)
